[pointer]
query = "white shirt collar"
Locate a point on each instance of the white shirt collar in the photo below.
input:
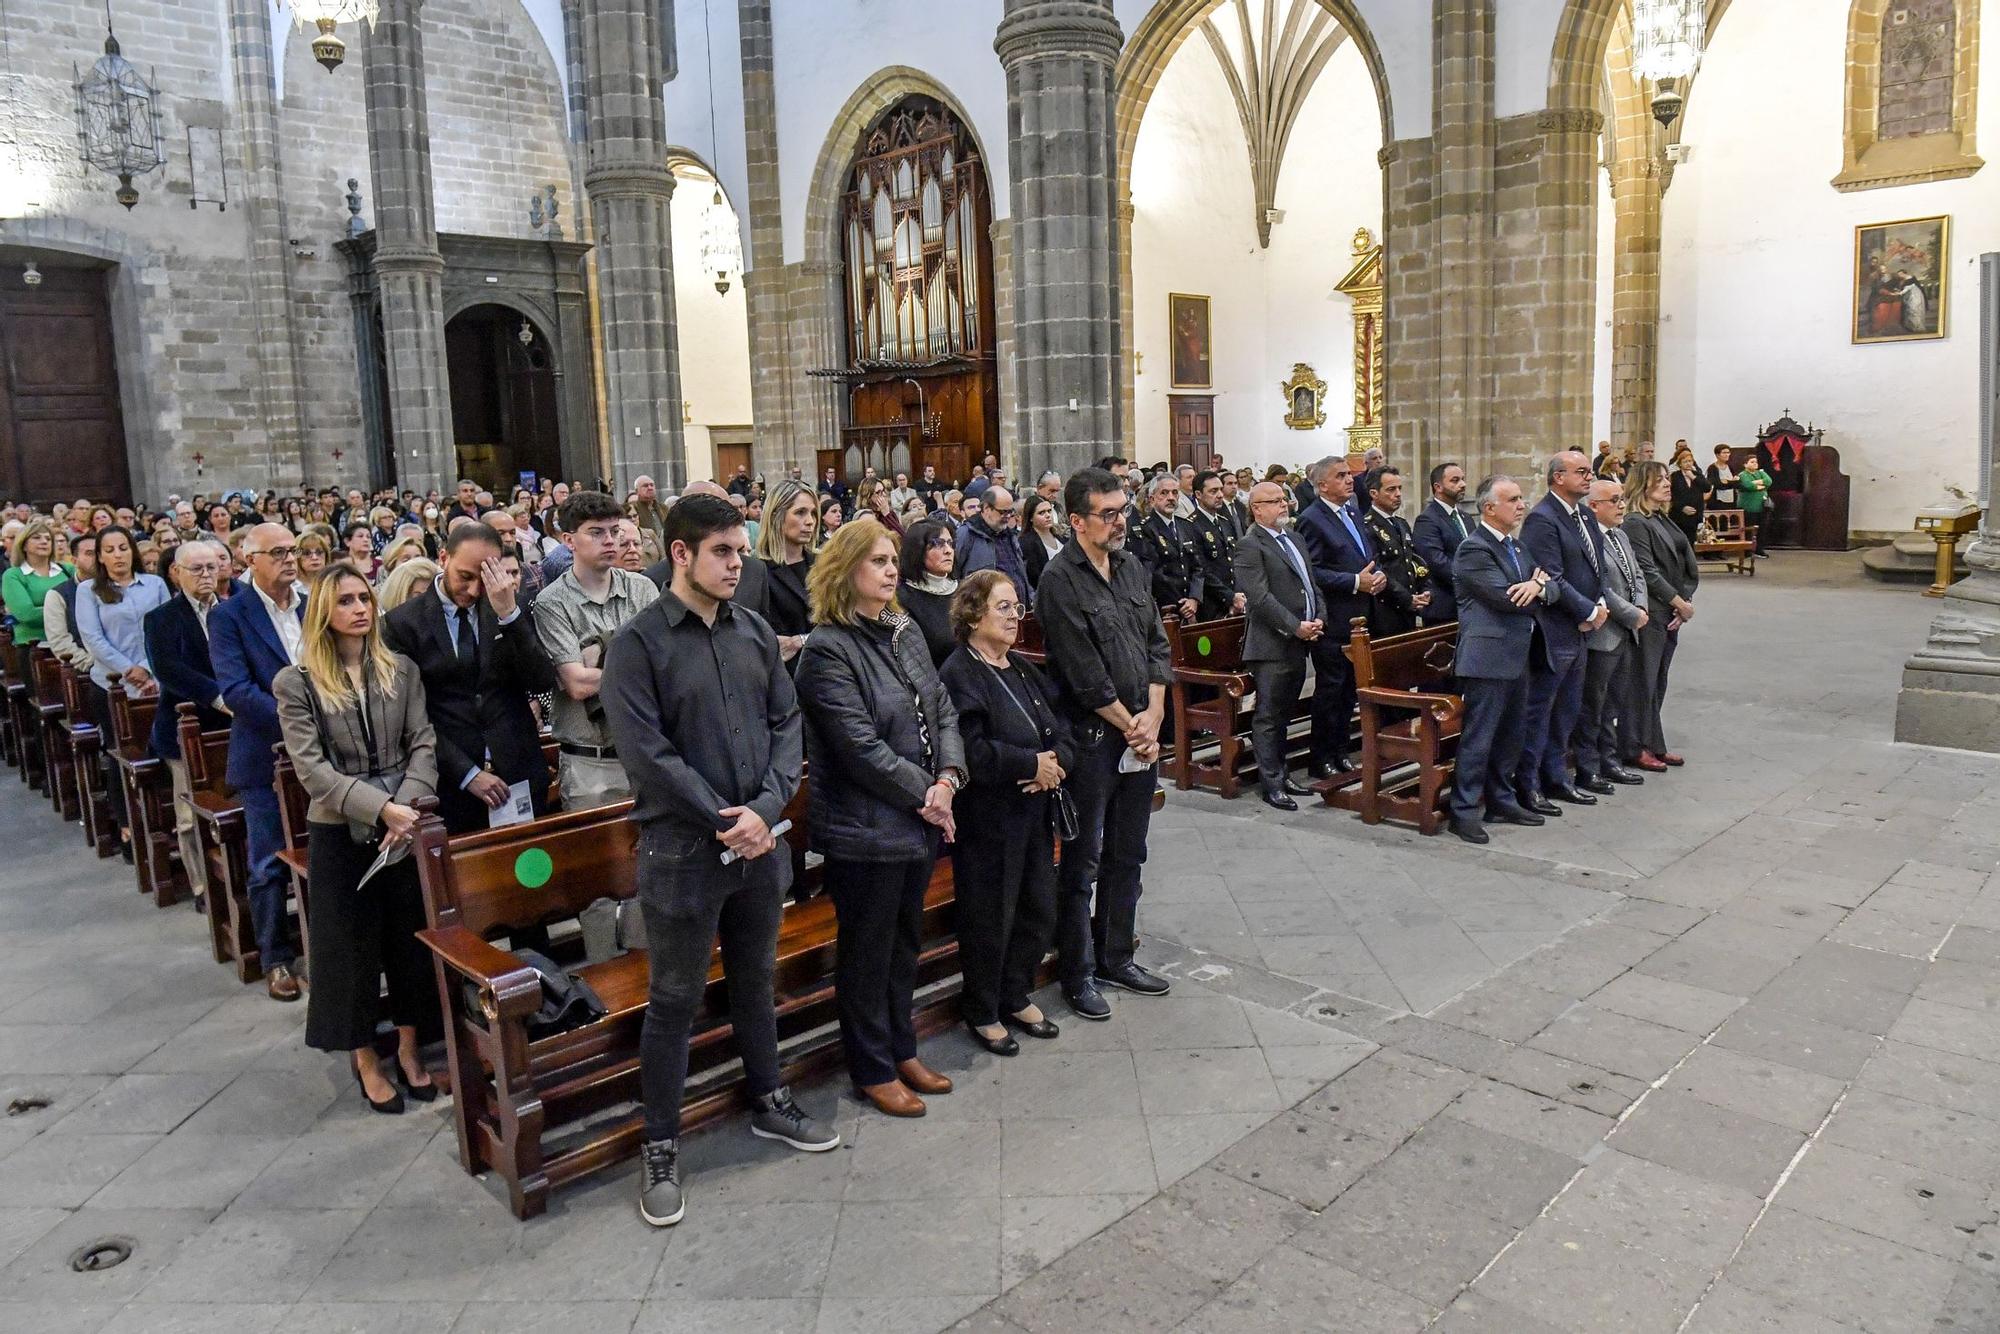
(1499, 536)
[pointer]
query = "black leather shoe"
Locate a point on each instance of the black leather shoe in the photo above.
(1295, 788)
(1512, 815)
(1043, 1028)
(1592, 783)
(1131, 977)
(1277, 800)
(1004, 1045)
(1087, 1002)
(1471, 831)
(1618, 773)
(1319, 771)
(1572, 796)
(1340, 764)
(1539, 804)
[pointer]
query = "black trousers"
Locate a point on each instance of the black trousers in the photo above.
(1279, 684)
(880, 908)
(1489, 746)
(357, 939)
(1333, 698)
(1004, 880)
(1114, 811)
(687, 903)
(1648, 686)
(1604, 693)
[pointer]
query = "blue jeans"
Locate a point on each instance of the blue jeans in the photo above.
(268, 883)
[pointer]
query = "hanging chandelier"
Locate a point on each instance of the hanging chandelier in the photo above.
(118, 117)
(1667, 39)
(721, 244)
(326, 15)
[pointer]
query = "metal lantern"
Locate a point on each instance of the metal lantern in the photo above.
(118, 118)
(326, 15)
(1667, 38)
(721, 243)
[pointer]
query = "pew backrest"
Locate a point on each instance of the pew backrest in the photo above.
(1417, 660)
(47, 670)
(1207, 648)
(495, 880)
(205, 753)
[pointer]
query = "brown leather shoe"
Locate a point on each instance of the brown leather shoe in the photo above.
(892, 1098)
(921, 1077)
(1650, 762)
(281, 985)
(1668, 757)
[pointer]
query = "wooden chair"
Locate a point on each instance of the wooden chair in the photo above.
(148, 800)
(1410, 723)
(1734, 546)
(18, 732)
(295, 856)
(87, 743)
(52, 721)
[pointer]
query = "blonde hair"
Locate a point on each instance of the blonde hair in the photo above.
(35, 525)
(771, 537)
(1640, 479)
(400, 550)
(401, 584)
(320, 660)
(830, 583)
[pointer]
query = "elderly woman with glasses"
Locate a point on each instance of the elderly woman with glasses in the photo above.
(1018, 750)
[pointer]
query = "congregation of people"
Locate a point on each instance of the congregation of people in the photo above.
(700, 654)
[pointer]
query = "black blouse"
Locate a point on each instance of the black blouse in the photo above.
(932, 613)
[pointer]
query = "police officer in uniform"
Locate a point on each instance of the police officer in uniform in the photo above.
(1214, 548)
(1165, 546)
(1408, 592)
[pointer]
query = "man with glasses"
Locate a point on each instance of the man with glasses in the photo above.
(991, 540)
(1108, 655)
(1286, 616)
(177, 648)
(1613, 647)
(252, 637)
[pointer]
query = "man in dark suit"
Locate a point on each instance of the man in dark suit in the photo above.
(1613, 647)
(177, 647)
(1498, 591)
(1345, 577)
(1436, 535)
(1235, 507)
(1161, 543)
(1563, 540)
(252, 636)
(1408, 594)
(1214, 541)
(480, 659)
(1283, 619)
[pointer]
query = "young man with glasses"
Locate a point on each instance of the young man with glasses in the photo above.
(1108, 655)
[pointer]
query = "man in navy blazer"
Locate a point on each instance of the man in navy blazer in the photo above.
(1343, 566)
(1436, 535)
(1563, 539)
(177, 646)
(251, 638)
(1499, 590)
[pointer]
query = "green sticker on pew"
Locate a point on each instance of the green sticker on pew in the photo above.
(533, 868)
(1203, 647)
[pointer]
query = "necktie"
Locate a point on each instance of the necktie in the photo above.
(1514, 558)
(1457, 520)
(1617, 550)
(1299, 567)
(466, 644)
(1583, 527)
(1354, 531)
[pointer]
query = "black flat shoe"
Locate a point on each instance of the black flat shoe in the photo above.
(1004, 1045)
(389, 1106)
(1294, 788)
(419, 1092)
(1044, 1027)
(1277, 800)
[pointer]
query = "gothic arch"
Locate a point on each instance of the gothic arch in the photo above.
(1870, 161)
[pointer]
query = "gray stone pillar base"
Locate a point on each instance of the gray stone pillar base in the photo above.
(1951, 686)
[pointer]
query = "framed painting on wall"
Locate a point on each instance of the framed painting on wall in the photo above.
(1188, 327)
(1899, 280)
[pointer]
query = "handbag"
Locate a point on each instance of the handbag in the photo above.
(386, 783)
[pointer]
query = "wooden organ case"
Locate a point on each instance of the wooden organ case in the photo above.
(917, 281)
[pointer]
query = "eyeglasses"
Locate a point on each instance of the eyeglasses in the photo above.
(278, 553)
(937, 544)
(1007, 608)
(1108, 515)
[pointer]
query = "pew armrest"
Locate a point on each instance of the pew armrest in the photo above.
(1231, 683)
(1441, 708)
(508, 988)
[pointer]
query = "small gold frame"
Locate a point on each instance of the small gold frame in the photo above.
(1305, 399)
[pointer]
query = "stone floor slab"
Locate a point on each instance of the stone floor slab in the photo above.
(1689, 1135)
(1842, 1274)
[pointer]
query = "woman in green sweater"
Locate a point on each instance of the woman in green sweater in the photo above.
(29, 579)
(1753, 493)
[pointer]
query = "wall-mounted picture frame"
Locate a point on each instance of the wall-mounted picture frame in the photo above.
(1900, 270)
(1305, 398)
(1188, 333)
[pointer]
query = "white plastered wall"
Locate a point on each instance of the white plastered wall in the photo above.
(714, 329)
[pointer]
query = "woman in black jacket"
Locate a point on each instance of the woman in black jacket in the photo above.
(1667, 562)
(1004, 861)
(1689, 493)
(927, 586)
(785, 545)
(883, 748)
(1042, 535)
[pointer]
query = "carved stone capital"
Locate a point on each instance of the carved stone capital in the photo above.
(629, 177)
(406, 257)
(1058, 29)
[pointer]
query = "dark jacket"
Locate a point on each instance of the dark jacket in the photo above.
(1666, 560)
(1275, 598)
(932, 614)
(1002, 740)
(861, 687)
(1104, 638)
(1396, 557)
(177, 647)
(1211, 543)
(1494, 635)
(1035, 557)
(1436, 539)
(1556, 544)
(1688, 492)
(1336, 564)
(980, 548)
(480, 709)
(1165, 547)
(789, 610)
(246, 651)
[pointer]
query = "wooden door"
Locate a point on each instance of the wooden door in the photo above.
(62, 434)
(728, 458)
(1192, 418)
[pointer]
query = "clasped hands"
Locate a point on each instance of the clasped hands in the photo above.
(1048, 774)
(1143, 736)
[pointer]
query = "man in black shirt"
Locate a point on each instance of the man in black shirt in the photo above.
(706, 723)
(1108, 654)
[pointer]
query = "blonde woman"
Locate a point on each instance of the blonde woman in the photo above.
(400, 550)
(355, 725)
(26, 584)
(785, 545)
(1667, 563)
(315, 553)
(409, 578)
(871, 498)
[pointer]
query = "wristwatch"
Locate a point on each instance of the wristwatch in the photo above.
(952, 779)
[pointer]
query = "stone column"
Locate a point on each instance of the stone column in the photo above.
(1462, 194)
(270, 257)
(1635, 298)
(1951, 686)
(1060, 57)
(409, 271)
(763, 274)
(630, 189)
(1410, 302)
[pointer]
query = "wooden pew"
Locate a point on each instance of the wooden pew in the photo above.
(58, 756)
(18, 731)
(148, 800)
(87, 744)
(1409, 726)
(1734, 546)
(225, 846)
(1214, 695)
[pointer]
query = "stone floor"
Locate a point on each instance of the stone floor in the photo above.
(1716, 1055)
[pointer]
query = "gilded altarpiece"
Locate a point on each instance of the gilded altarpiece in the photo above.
(1363, 286)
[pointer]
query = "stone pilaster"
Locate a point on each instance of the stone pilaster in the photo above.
(763, 275)
(1462, 194)
(1410, 300)
(1635, 298)
(630, 189)
(270, 257)
(409, 271)
(1060, 57)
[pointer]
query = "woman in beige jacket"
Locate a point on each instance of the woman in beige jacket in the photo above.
(360, 741)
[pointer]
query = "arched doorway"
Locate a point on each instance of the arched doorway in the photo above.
(504, 411)
(917, 291)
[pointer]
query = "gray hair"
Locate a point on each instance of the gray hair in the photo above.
(1374, 457)
(1316, 472)
(1049, 475)
(187, 550)
(1164, 482)
(1187, 468)
(1484, 496)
